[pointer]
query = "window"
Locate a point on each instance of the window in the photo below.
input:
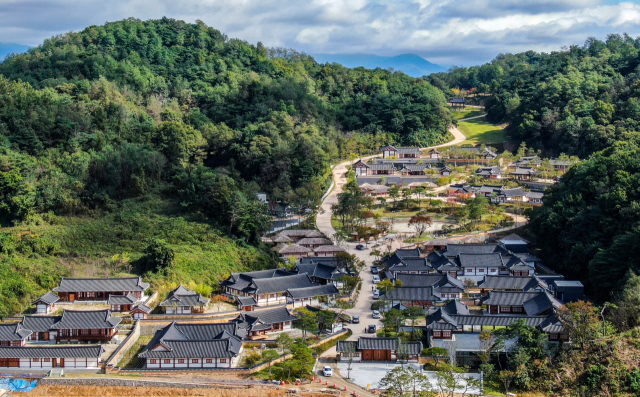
(446, 334)
(35, 360)
(195, 361)
(167, 361)
(223, 360)
(517, 309)
(480, 270)
(469, 270)
(437, 334)
(209, 361)
(46, 360)
(91, 294)
(505, 309)
(152, 361)
(553, 336)
(181, 361)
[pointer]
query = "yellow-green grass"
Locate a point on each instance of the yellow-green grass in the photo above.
(470, 112)
(480, 131)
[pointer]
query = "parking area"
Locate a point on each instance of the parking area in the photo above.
(368, 374)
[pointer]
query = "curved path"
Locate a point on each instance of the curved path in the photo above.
(471, 118)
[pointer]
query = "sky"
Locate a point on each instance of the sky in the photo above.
(446, 32)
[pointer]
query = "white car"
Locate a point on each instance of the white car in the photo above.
(376, 314)
(327, 371)
(376, 279)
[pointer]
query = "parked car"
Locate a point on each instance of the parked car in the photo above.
(371, 329)
(360, 247)
(374, 269)
(327, 371)
(376, 314)
(376, 279)
(376, 294)
(355, 319)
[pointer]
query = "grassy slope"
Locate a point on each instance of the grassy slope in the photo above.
(84, 246)
(479, 131)
(471, 112)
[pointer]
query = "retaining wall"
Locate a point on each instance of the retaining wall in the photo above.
(118, 382)
(123, 348)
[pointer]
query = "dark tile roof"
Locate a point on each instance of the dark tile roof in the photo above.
(365, 343)
(320, 270)
(220, 348)
(535, 194)
(456, 307)
(457, 249)
(127, 299)
(101, 284)
(324, 260)
(13, 332)
(293, 249)
(40, 323)
(541, 303)
(509, 298)
(246, 300)
(315, 241)
(88, 351)
(184, 297)
(513, 237)
(551, 325)
(524, 171)
(429, 280)
(408, 252)
(456, 322)
(346, 346)
(49, 298)
(329, 248)
(480, 260)
(441, 320)
(514, 192)
(310, 292)
(410, 294)
(518, 283)
(411, 265)
(87, 319)
(281, 284)
(264, 318)
(142, 307)
(301, 233)
(240, 281)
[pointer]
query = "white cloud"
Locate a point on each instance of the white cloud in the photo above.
(444, 31)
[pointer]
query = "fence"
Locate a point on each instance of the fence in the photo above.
(123, 348)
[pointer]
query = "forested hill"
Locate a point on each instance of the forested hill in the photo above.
(577, 101)
(139, 140)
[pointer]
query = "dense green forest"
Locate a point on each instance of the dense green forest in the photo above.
(160, 132)
(576, 101)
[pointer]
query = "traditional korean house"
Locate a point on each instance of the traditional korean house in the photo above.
(532, 303)
(411, 296)
(140, 312)
(444, 285)
(400, 152)
(434, 154)
(490, 172)
(237, 284)
(476, 152)
(98, 289)
(462, 192)
(560, 165)
(458, 103)
(524, 173)
(379, 349)
(46, 357)
(328, 250)
(46, 303)
(184, 301)
(329, 321)
(295, 251)
(509, 195)
(86, 326)
(436, 244)
(411, 266)
(258, 324)
(535, 197)
(246, 303)
(511, 283)
(271, 291)
(122, 303)
(41, 327)
(313, 242)
(300, 297)
(374, 190)
(487, 191)
(298, 234)
(13, 334)
(445, 170)
(321, 273)
(194, 346)
(529, 161)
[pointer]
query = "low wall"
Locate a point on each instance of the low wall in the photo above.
(123, 348)
(118, 382)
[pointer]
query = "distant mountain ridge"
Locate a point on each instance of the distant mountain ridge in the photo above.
(10, 48)
(411, 64)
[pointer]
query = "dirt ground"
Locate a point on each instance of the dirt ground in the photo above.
(121, 391)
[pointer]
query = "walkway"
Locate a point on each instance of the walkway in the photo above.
(471, 118)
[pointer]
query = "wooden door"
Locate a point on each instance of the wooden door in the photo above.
(72, 297)
(61, 362)
(367, 355)
(54, 363)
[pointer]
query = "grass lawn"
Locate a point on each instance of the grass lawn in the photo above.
(130, 359)
(480, 130)
(471, 112)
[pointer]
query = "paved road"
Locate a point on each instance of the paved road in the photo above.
(323, 223)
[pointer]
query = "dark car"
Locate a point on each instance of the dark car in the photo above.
(374, 269)
(371, 329)
(355, 319)
(360, 247)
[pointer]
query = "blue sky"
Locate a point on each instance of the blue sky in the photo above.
(448, 32)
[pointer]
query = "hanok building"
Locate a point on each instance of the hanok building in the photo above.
(378, 349)
(300, 297)
(201, 346)
(535, 197)
(294, 251)
(532, 303)
(328, 250)
(184, 301)
(98, 289)
(122, 303)
(362, 168)
(411, 296)
(401, 152)
(530, 161)
(46, 303)
(140, 311)
(374, 190)
(560, 165)
(458, 103)
(257, 324)
(295, 235)
(314, 242)
(462, 192)
(321, 273)
(434, 154)
(41, 328)
(271, 291)
(13, 334)
(509, 195)
(238, 283)
(329, 321)
(86, 326)
(486, 191)
(47, 357)
(511, 283)
(410, 266)
(524, 173)
(475, 151)
(490, 172)
(444, 286)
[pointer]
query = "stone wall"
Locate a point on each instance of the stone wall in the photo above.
(123, 348)
(117, 382)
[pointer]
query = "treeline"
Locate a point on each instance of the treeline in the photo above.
(575, 101)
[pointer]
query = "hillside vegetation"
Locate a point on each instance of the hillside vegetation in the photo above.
(135, 138)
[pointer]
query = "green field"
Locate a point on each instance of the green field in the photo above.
(481, 131)
(471, 112)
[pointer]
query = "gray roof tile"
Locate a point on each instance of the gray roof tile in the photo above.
(49, 298)
(13, 332)
(87, 319)
(281, 284)
(184, 297)
(410, 294)
(309, 292)
(86, 351)
(68, 284)
(40, 323)
(127, 299)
